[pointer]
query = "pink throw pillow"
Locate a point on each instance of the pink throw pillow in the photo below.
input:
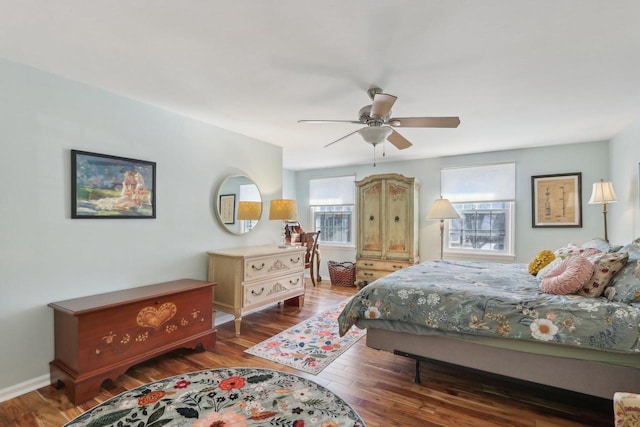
(568, 276)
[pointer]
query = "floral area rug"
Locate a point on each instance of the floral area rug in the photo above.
(233, 397)
(311, 345)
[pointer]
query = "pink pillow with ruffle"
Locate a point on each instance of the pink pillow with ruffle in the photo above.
(568, 276)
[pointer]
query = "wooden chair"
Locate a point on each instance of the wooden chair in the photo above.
(312, 257)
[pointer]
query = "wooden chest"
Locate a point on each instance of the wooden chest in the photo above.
(99, 337)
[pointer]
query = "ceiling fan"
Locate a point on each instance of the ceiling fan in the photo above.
(380, 124)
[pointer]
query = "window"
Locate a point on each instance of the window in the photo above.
(331, 201)
(484, 197)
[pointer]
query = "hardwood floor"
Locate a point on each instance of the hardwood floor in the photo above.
(377, 384)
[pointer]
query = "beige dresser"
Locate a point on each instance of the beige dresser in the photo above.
(255, 277)
(387, 226)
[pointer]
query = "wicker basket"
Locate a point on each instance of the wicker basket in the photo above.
(342, 273)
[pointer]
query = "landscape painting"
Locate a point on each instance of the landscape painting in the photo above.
(104, 186)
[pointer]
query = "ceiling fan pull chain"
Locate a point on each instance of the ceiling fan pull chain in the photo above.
(374, 156)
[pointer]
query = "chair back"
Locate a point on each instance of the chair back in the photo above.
(310, 241)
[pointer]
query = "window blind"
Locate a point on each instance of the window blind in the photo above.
(479, 183)
(332, 191)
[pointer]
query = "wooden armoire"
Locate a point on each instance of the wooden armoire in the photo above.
(387, 226)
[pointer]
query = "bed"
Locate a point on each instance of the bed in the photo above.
(494, 317)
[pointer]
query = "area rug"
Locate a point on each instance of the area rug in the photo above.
(232, 397)
(311, 345)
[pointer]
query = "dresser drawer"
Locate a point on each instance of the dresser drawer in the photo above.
(272, 290)
(273, 265)
(384, 265)
(363, 275)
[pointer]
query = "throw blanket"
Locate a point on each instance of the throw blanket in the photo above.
(492, 299)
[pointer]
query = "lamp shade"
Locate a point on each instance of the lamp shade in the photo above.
(442, 209)
(249, 210)
(602, 193)
(283, 209)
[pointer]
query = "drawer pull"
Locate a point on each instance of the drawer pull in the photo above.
(257, 294)
(367, 274)
(368, 264)
(294, 282)
(397, 266)
(295, 261)
(257, 268)
(397, 219)
(371, 218)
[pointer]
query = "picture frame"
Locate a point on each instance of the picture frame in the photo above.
(111, 187)
(556, 200)
(227, 208)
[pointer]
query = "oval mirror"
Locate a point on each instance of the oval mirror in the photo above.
(239, 204)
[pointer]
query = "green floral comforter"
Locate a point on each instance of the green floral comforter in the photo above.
(496, 300)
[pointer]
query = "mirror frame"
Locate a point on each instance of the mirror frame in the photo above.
(232, 195)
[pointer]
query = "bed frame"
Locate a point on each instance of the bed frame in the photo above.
(582, 376)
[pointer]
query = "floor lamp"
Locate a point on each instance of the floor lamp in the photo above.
(602, 194)
(442, 209)
(283, 210)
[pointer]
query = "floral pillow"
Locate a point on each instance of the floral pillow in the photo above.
(567, 277)
(570, 250)
(625, 286)
(606, 265)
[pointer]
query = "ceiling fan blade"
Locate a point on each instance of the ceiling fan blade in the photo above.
(340, 139)
(398, 140)
(425, 122)
(382, 104)
(330, 121)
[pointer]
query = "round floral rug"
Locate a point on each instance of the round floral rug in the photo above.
(232, 397)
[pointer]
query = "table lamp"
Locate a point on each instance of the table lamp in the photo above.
(283, 210)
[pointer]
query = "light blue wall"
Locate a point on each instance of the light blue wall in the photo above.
(591, 159)
(46, 256)
(624, 215)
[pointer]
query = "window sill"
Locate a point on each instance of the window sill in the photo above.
(479, 256)
(335, 246)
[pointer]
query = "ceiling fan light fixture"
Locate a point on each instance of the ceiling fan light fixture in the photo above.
(375, 134)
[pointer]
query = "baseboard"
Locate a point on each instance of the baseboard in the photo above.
(24, 387)
(222, 317)
(44, 380)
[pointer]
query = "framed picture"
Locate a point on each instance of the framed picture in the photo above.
(228, 208)
(104, 186)
(557, 200)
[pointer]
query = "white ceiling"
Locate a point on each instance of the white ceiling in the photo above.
(518, 73)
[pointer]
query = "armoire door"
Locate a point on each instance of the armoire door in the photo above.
(399, 219)
(371, 203)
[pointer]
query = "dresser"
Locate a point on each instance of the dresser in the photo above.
(99, 337)
(387, 225)
(255, 277)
